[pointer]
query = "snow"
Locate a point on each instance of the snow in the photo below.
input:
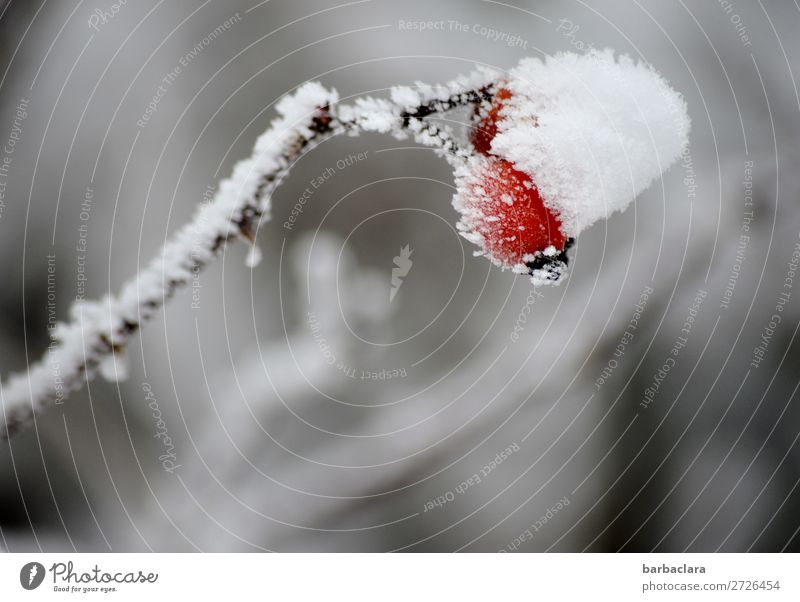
(549, 274)
(593, 130)
(254, 257)
(406, 97)
(114, 367)
(372, 115)
(385, 116)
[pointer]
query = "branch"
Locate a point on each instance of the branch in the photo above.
(95, 338)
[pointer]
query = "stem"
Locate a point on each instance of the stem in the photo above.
(99, 331)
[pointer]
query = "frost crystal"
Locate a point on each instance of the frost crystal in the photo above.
(585, 133)
(253, 257)
(114, 367)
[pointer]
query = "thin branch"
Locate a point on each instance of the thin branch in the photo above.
(95, 338)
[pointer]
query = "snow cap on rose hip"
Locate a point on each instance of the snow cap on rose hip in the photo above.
(591, 131)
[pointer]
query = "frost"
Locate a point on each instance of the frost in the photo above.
(114, 367)
(549, 275)
(92, 342)
(406, 97)
(592, 130)
(253, 257)
(372, 114)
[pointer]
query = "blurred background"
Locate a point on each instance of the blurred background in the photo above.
(649, 402)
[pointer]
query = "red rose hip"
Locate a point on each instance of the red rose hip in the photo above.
(504, 208)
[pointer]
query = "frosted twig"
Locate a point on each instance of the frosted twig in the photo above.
(95, 337)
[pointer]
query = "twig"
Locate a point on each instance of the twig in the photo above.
(95, 338)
